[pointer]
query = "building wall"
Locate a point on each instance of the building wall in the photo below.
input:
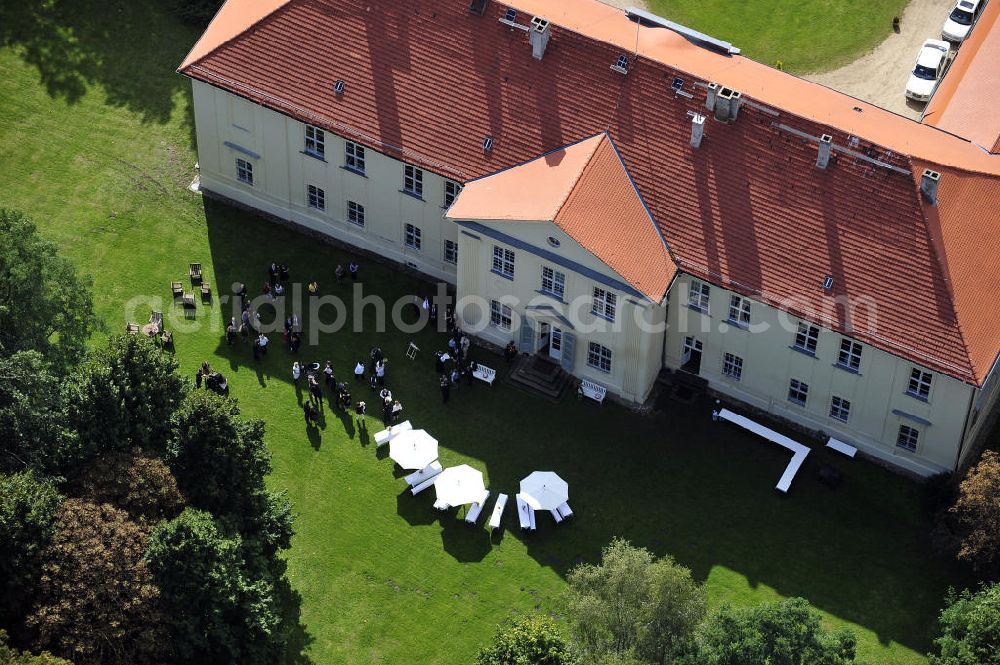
(636, 353)
(877, 391)
(230, 127)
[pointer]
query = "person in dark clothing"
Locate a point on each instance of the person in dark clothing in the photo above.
(315, 393)
(272, 274)
(284, 273)
(198, 377)
(329, 379)
(510, 352)
(386, 410)
(310, 413)
(471, 369)
(353, 269)
(231, 332)
(296, 342)
(445, 388)
(438, 363)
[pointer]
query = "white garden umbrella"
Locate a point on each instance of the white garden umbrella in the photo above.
(413, 449)
(459, 485)
(544, 490)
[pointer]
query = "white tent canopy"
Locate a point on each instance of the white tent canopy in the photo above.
(413, 449)
(459, 485)
(544, 490)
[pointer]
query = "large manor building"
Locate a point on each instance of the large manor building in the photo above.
(626, 196)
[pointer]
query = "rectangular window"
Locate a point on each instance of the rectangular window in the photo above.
(315, 197)
(798, 392)
(553, 282)
(413, 180)
(920, 384)
(732, 366)
(503, 261)
(698, 295)
(850, 354)
(450, 251)
(739, 311)
(354, 157)
(412, 236)
(355, 213)
(605, 303)
(907, 438)
(244, 171)
(806, 338)
(599, 357)
(315, 141)
(840, 408)
(500, 315)
(451, 190)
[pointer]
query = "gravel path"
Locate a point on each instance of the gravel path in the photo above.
(880, 77)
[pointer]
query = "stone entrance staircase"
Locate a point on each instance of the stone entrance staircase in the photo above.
(539, 375)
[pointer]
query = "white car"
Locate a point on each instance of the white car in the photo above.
(959, 23)
(931, 64)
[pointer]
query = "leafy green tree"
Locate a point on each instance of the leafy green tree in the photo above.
(977, 510)
(218, 613)
(141, 486)
(783, 633)
(44, 305)
(32, 416)
(10, 656)
(96, 601)
(196, 12)
(632, 606)
(970, 625)
(28, 509)
(124, 397)
(532, 640)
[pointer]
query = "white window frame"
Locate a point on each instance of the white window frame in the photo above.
(739, 311)
(501, 315)
(919, 385)
(840, 408)
(356, 213)
(451, 251)
(316, 197)
(699, 295)
(732, 366)
(553, 282)
(315, 141)
(244, 171)
(849, 356)
(807, 338)
(605, 304)
(599, 357)
(451, 191)
(413, 180)
(354, 157)
(503, 261)
(413, 236)
(796, 388)
(908, 438)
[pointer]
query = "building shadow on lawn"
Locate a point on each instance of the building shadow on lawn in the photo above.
(467, 543)
(674, 482)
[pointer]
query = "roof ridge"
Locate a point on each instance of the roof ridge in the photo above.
(194, 56)
(579, 177)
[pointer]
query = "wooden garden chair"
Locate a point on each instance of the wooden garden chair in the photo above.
(195, 272)
(177, 289)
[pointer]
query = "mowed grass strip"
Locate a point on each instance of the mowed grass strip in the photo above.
(102, 163)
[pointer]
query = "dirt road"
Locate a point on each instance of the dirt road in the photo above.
(880, 77)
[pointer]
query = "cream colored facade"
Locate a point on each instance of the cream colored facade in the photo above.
(644, 337)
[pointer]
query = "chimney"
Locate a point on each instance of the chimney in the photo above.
(697, 129)
(825, 146)
(727, 104)
(710, 100)
(929, 185)
(539, 36)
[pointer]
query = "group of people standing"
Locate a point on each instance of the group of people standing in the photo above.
(463, 365)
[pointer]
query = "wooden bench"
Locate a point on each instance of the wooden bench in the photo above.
(195, 273)
(417, 489)
(206, 292)
(484, 373)
(476, 508)
(498, 511)
(427, 473)
(525, 515)
(177, 289)
(842, 447)
(556, 516)
(385, 436)
(592, 390)
(564, 510)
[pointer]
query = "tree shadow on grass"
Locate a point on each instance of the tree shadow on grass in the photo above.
(298, 637)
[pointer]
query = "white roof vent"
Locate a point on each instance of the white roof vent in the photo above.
(538, 36)
(697, 129)
(621, 66)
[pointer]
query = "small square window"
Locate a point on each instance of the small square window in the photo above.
(599, 357)
(450, 251)
(698, 295)
(354, 157)
(920, 384)
(739, 311)
(315, 197)
(412, 236)
(503, 261)
(806, 338)
(451, 190)
(732, 366)
(798, 392)
(850, 355)
(553, 282)
(840, 408)
(244, 171)
(500, 315)
(315, 141)
(355, 213)
(605, 304)
(413, 180)
(907, 438)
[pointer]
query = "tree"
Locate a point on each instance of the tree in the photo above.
(783, 633)
(141, 486)
(633, 606)
(96, 601)
(970, 625)
(44, 305)
(977, 510)
(124, 397)
(28, 510)
(533, 640)
(196, 12)
(9, 656)
(32, 415)
(217, 612)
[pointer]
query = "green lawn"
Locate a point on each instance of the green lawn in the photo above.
(96, 145)
(805, 35)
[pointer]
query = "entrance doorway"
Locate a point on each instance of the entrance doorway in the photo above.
(555, 343)
(691, 359)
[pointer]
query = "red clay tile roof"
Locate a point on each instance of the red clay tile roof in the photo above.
(586, 191)
(426, 81)
(967, 102)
